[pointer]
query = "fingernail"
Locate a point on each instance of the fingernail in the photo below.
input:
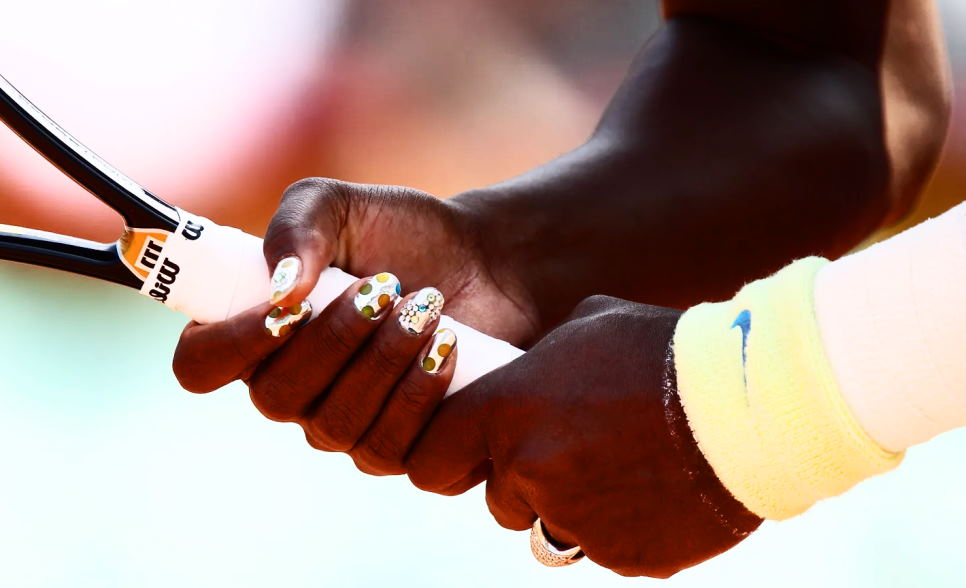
(377, 294)
(281, 320)
(284, 278)
(421, 309)
(444, 342)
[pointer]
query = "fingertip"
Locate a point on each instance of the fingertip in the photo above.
(281, 321)
(375, 295)
(439, 355)
(292, 280)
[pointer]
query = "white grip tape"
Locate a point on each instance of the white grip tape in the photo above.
(210, 273)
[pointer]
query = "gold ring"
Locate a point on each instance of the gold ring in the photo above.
(547, 553)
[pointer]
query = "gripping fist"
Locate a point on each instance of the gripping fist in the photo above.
(586, 432)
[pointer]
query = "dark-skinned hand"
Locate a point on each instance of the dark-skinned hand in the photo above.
(586, 432)
(354, 383)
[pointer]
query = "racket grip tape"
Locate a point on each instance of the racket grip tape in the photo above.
(211, 272)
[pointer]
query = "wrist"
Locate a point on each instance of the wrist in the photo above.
(496, 280)
(763, 402)
(550, 231)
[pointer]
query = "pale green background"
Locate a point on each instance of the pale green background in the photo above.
(114, 476)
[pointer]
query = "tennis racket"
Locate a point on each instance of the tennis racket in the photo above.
(187, 262)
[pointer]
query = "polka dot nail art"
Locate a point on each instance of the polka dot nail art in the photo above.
(444, 342)
(283, 320)
(377, 294)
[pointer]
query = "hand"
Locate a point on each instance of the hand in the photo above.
(362, 378)
(355, 384)
(586, 432)
(366, 229)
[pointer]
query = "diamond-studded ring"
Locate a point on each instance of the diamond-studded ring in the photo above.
(548, 554)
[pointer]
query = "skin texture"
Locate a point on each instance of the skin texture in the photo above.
(730, 133)
(362, 392)
(601, 451)
(899, 41)
(353, 385)
(366, 229)
(747, 134)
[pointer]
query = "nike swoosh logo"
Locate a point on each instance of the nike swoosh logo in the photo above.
(743, 322)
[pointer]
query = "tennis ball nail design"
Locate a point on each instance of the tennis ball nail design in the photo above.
(421, 309)
(283, 320)
(444, 342)
(377, 294)
(284, 278)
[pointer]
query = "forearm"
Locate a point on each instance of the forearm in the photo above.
(721, 158)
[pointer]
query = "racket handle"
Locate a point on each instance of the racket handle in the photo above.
(210, 273)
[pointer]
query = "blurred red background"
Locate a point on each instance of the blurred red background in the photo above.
(216, 106)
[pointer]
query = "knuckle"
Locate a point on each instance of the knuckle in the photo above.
(336, 425)
(308, 191)
(382, 449)
(502, 515)
(303, 203)
(335, 337)
(421, 482)
(423, 478)
(386, 358)
(379, 457)
(285, 224)
(307, 185)
(247, 354)
(272, 396)
(312, 440)
(364, 466)
(593, 305)
(414, 399)
(454, 489)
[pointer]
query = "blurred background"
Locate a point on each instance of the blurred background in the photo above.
(114, 476)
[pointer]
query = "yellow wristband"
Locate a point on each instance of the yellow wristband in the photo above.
(762, 400)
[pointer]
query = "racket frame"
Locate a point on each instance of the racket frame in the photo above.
(138, 207)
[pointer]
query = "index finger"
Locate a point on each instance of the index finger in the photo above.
(213, 355)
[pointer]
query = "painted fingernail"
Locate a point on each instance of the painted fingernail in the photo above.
(285, 277)
(444, 342)
(377, 294)
(281, 320)
(421, 309)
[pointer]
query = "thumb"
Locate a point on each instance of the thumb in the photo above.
(452, 454)
(303, 236)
